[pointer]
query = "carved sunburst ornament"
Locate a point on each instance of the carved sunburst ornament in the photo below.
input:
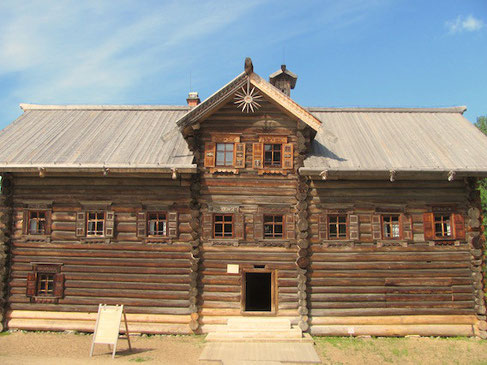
(247, 99)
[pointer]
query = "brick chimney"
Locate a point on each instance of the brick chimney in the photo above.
(193, 99)
(284, 80)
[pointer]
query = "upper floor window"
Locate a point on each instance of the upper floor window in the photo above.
(157, 224)
(273, 226)
(391, 227)
(95, 223)
(272, 155)
(223, 225)
(443, 226)
(337, 226)
(37, 222)
(224, 154)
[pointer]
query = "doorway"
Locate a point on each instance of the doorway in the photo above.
(258, 292)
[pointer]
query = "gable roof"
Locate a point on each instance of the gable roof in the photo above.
(94, 137)
(220, 97)
(377, 141)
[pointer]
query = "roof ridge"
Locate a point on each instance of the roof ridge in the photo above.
(25, 107)
(453, 109)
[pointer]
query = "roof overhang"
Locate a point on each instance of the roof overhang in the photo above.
(216, 100)
(96, 168)
(391, 175)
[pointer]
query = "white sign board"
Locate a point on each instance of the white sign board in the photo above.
(232, 269)
(107, 327)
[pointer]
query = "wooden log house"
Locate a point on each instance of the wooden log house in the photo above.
(346, 221)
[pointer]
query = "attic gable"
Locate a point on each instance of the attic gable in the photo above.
(251, 80)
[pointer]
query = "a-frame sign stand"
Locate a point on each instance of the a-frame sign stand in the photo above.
(107, 327)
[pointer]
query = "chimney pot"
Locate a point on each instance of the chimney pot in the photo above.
(193, 99)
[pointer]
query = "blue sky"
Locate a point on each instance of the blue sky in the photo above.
(377, 53)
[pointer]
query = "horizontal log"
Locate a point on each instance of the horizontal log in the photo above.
(394, 330)
(393, 320)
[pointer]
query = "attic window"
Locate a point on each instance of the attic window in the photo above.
(224, 154)
(272, 155)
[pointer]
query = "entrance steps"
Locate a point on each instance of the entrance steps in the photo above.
(258, 329)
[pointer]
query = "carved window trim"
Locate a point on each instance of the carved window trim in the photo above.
(37, 206)
(286, 155)
(40, 275)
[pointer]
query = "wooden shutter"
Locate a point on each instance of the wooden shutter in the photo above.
(376, 227)
(210, 154)
(109, 223)
(354, 227)
(258, 155)
(239, 226)
(31, 284)
(59, 285)
(25, 221)
(290, 227)
(258, 226)
(428, 226)
(141, 224)
(287, 156)
(459, 226)
(80, 224)
(406, 227)
(323, 227)
(172, 224)
(207, 226)
(48, 221)
(239, 155)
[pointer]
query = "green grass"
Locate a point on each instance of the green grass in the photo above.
(140, 359)
(4, 333)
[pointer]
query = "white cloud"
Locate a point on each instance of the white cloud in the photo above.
(464, 24)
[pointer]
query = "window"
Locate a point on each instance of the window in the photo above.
(337, 226)
(390, 227)
(273, 226)
(272, 155)
(37, 222)
(223, 226)
(442, 224)
(157, 224)
(224, 154)
(45, 284)
(95, 224)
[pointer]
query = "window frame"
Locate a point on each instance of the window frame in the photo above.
(328, 224)
(165, 220)
(225, 151)
(96, 211)
(383, 225)
(273, 223)
(39, 276)
(264, 163)
(53, 274)
(223, 226)
(30, 218)
(451, 223)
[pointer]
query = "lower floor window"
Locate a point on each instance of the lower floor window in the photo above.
(45, 284)
(223, 226)
(337, 226)
(157, 224)
(273, 226)
(95, 224)
(390, 226)
(443, 226)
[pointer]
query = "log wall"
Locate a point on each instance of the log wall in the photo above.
(151, 280)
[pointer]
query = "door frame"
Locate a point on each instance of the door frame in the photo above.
(274, 293)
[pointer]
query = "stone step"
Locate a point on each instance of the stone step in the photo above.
(259, 323)
(258, 336)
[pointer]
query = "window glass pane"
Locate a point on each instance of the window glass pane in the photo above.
(438, 229)
(218, 228)
(91, 215)
(229, 158)
(228, 218)
(333, 219)
(342, 219)
(268, 218)
(343, 230)
(33, 226)
(229, 147)
(42, 227)
(152, 227)
(267, 147)
(91, 227)
(218, 218)
(395, 230)
(220, 158)
(333, 230)
(278, 218)
(220, 147)
(278, 229)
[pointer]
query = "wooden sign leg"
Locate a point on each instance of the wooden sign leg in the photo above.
(127, 330)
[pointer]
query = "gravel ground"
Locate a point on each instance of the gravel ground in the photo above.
(73, 349)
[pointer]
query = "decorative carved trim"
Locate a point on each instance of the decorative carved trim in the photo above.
(273, 171)
(225, 138)
(223, 208)
(223, 170)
